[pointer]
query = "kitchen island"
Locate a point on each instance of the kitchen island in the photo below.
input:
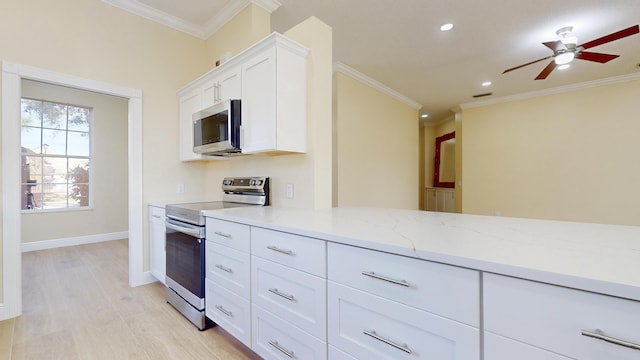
(549, 289)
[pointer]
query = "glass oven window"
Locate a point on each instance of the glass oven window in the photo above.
(185, 261)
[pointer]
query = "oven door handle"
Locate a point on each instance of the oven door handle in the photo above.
(195, 231)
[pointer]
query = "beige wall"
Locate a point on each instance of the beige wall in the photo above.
(108, 166)
(377, 147)
(246, 28)
(97, 41)
(310, 173)
(570, 156)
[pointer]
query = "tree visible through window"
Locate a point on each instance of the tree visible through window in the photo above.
(56, 155)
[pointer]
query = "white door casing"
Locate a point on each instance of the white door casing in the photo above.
(12, 74)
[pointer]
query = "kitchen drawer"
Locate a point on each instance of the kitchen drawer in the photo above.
(156, 214)
(445, 290)
(234, 235)
(498, 347)
(553, 318)
(229, 311)
(336, 354)
(370, 327)
(229, 268)
(299, 252)
(292, 295)
(273, 338)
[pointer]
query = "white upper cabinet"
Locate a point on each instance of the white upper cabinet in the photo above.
(270, 78)
(274, 100)
(225, 85)
(190, 102)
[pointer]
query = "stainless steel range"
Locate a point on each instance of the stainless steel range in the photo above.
(185, 244)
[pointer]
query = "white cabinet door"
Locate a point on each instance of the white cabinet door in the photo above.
(228, 310)
(229, 84)
(292, 295)
(259, 102)
(373, 328)
(229, 267)
(497, 347)
(224, 85)
(273, 338)
(209, 93)
(189, 103)
(157, 243)
(274, 101)
(559, 319)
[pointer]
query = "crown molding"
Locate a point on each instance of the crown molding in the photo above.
(146, 11)
(552, 91)
(345, 69)
(231, 9)
(269, 5)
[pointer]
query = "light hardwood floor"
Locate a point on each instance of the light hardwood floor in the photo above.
(77, 304)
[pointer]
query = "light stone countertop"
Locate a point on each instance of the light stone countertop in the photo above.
(593, 257)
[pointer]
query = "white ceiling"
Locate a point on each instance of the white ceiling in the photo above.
(399, 44)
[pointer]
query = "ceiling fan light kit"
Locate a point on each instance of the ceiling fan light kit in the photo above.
(566, 49)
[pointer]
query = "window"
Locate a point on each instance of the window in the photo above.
(56, 155)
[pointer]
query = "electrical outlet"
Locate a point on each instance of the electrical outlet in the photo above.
(180, 188)
(289, 191)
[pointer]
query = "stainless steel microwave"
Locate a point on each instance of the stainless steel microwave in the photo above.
(216, 129)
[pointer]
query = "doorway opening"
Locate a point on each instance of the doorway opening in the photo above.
(12, 76)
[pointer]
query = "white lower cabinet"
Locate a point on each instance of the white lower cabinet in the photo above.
(572, 323)
(158, 258)
(336, 354)
(274, 338)
(498, 347)
(228, 310)
(292, 295)
(228, 277)
(288, 295)
(367, 326)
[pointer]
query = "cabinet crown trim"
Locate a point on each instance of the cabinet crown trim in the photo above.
(274, 39)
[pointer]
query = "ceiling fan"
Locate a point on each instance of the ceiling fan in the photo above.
(566, 49)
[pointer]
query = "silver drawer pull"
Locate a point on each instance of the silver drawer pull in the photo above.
(286, 296)
(224, 311)
(277, 249)
(228, 236)
(279, 347)
(599, 334)
(374, 335)
(225, 269)
(388, 279)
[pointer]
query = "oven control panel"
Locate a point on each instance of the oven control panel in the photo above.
(244, 183)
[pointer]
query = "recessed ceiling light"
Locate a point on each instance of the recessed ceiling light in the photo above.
(486, 83)
(564, 66)
(424, 116)
(446, 27)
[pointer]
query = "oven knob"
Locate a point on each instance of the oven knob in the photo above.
(252, 182)
(259, 182)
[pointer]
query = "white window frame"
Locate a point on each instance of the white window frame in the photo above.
(66, 156)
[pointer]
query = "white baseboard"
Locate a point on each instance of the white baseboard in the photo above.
(3, 315)
(88, 239)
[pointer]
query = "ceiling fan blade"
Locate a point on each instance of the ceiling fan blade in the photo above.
(555, 45)
(597, 57)
(527, 64)
(611, 37)
(546, 71)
